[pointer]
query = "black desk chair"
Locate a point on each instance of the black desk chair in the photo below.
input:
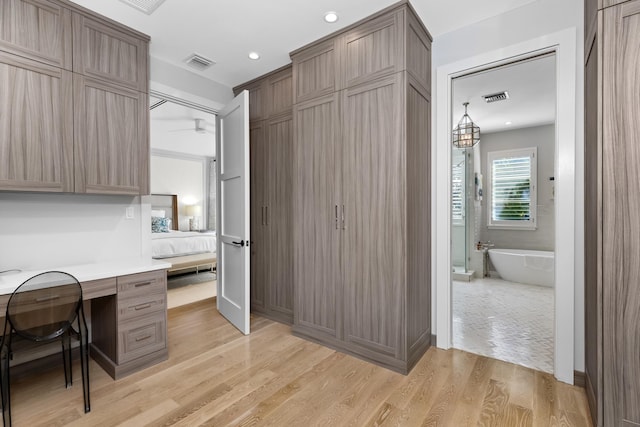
(42, 309)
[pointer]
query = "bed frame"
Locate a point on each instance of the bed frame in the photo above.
(169, 203)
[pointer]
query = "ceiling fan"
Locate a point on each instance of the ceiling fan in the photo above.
(200, 126)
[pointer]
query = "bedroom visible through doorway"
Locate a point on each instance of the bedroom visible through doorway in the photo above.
(183, 201)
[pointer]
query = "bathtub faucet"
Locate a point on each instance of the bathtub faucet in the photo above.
(484, 247)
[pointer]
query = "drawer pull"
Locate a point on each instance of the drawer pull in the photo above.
(142, 306)
(141, 284)
(146, 337)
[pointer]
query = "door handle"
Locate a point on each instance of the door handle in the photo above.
(337, 228)
(240, 243)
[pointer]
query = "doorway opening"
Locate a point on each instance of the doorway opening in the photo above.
(502, 213)
(183, 188)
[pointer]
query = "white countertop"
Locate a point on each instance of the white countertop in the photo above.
(84, 272)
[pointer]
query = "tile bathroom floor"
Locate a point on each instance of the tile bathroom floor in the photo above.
(504, 320)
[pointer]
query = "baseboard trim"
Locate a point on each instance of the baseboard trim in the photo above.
(579, 379)
(433, 340)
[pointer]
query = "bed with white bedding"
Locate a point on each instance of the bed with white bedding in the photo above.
(177, 243)
(183, 249)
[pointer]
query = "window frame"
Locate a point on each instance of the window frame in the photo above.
(531, 223)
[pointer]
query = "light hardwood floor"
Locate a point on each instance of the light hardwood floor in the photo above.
(217, 377)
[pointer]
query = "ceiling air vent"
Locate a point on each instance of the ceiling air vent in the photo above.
(146, 6)
(494, 97)
(199, 62)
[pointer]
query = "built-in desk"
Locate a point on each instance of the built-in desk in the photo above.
(128, 310)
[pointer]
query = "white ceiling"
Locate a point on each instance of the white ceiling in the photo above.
(532, 95)
(226, 31)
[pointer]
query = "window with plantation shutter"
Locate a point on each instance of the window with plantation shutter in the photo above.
(512, 192)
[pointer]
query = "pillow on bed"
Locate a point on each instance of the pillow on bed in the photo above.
(160, 213)
(159, 225)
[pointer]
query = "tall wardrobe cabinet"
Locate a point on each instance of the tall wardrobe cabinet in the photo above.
(271, 150)
(361, 189)
(612, 202)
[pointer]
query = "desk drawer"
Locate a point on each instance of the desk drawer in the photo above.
(142, 284)
(129, 308)
(141, 336)
(98, 288)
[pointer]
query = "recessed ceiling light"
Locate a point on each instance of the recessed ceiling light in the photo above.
(254, 55)
(507, 123)
(331, 17)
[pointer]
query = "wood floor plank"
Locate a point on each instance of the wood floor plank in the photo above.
(217, 376)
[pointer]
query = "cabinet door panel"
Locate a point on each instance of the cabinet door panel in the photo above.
(374, 250)
(259, 249)
(36, 29)
(373, 50)
(36, 126)
(111, 139)
(280, 88)
(621, 230)
(280, 215)
(316, 198)
(102, 52)
(315, 71)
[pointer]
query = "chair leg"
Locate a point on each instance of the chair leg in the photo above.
(6, 387)
(64, 364)
(84, 360)
(70, 359)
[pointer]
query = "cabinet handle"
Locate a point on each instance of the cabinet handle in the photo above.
(344, 227)
(47, 298)
(142, 306)
(139, 285)
(146, 337)
(337, 227)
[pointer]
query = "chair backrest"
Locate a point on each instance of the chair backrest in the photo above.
(44, 306)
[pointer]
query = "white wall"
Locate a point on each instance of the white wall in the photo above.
(531, 21)
(542, 238)
(184, 176)
(53, 230)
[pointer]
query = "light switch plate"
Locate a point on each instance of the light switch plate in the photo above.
(129, 213)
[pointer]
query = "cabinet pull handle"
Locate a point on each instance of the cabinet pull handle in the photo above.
(146, 337)
(142, 306)
(141, 284)
(344, 227)
(337, 227)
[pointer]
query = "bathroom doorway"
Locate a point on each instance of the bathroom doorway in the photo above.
(503, 158)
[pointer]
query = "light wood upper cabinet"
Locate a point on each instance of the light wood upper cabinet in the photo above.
(418, 59)
(280, 92)
(36, 29)
(373, 49)
(316, 71)
(36, 126)
(103, 52)
(111, 138)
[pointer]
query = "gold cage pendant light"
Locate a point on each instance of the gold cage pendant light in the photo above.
(467, 133)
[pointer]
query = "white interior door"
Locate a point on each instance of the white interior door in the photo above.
(232, 151)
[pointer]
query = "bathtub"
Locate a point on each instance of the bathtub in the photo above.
(523, 266)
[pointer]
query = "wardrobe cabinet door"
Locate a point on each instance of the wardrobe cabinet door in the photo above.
(110, 54)
(280, 93)
(373, 50)
(621, 230)
(316, 200)
(36, 29)
(259, 232)
(316, 71)
(280, 217)
(111, 138)
(36, 126)
(374, 249)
